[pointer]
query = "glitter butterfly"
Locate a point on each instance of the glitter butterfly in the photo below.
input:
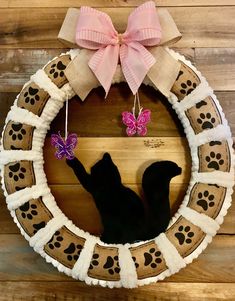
(136, 125)
(64, 147)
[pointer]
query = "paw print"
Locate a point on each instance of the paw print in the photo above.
(206, 200)
(57, 69)
(110, 263)
(17, 172)
(187, 87)
(136, 263)
(28, 211)
(73, 251)
(55, 241)
(16, 131)
(184, 237)
(152, 258)
(206, 121)
(179, 74)
(38, 227)
(94, 261)
(213, 143)
(214, 160)
(201, 104)
(31, 96)
(17, 188)
(16, 148)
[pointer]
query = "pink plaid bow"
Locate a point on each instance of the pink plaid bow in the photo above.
(95, 31)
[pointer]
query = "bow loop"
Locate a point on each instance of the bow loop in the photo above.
(144, 26)
(95, 29)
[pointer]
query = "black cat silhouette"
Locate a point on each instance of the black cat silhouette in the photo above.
(121, 209)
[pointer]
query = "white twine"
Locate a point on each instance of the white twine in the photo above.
(66, 117)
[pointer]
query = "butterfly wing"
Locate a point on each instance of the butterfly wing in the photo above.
(142, 120)
(58, 143)
(130, 121)
(70, 145)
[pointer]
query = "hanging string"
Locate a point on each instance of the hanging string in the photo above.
(66, 117)
(136, 99)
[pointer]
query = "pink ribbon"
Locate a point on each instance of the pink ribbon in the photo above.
(95, 31)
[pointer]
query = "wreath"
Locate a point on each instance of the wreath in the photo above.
(25, 184)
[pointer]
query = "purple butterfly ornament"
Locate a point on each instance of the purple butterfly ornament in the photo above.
(136, 125)
(64, 147)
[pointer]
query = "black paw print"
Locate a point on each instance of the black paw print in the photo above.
(55, 240)
(213, 143)
(184, 237)
(206, 200)
(16, 131)
(187, 87)
(16, 148)
(57, 69)
(73, 251)
(38, 227)
(28, 211)
(201, 104)
(31, 96)
(109, 265)
(179, 74)
(17, 188)
(94, 261)
(16, 169)
(214, 160)
(152, 258)
(136, 263)
(206, 121)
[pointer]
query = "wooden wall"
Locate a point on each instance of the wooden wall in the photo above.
(28, 30)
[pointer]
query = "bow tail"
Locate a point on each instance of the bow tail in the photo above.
(136, 61)
(104, 64)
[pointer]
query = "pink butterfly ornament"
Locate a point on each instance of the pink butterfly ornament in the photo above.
(64, 147)
(136, 125)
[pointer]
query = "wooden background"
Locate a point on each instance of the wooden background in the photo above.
(28, 30)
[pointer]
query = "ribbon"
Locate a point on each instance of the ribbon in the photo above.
(94, 30)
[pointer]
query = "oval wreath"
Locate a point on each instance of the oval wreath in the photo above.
(24, 182)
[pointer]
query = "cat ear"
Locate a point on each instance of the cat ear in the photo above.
(107, 156)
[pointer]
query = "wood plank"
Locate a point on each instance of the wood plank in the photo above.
(18, 262)
(108, 3)
(45, 291)
(132, 156)
(18, 65)
(218, 66)
(200, 26)
(78, 205)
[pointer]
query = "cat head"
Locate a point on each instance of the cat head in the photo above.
(161, 171)
(105, 172)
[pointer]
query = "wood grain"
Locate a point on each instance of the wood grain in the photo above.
(17, 65)
(110, 3)
(211, 61)
(45, 291)
(18, 262)
(40, 27)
